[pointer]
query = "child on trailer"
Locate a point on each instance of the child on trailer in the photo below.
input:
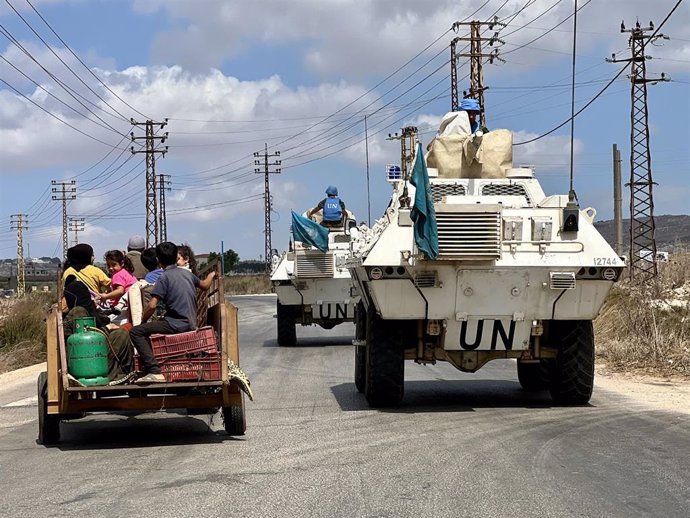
(186, 259)
(122, 278)
(176, 287)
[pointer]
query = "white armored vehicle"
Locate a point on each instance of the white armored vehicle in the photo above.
(313, 286)
(516, 273)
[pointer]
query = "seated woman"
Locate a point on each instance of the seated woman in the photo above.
(80, 264)
(77, 302)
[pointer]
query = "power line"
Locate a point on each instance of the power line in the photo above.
(55, 116)
(51, 94)
(62, 61)
(69, 90)
(603, 89)
(84, 64)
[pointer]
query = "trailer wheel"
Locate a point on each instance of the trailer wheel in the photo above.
(287, 334)
(533, 376)
(48, 424)
(572, 377)
(360, 351)
(234, 420)
(385, 362)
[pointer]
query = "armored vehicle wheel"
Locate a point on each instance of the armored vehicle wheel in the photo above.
(287, 334)
(572, 377)
(385, 362)
(360, 351)
(234, 420)
(48, 425)
(533, 376)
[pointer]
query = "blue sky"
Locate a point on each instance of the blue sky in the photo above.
(301, 76)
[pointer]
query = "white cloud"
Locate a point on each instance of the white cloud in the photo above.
(337, 37)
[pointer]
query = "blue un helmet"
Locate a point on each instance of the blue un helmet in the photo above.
(332, 190)
(469, 105)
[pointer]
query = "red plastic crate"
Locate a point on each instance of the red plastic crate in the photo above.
(191, 343)
(192, 369)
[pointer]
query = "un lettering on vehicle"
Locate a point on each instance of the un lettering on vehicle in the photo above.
(334, 311)
(492, 334)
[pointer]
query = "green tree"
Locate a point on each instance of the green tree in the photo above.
(230, 258)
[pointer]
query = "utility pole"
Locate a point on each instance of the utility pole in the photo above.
(163, 185)
(267, 196)
(64, 191)
(76, 225)
(617, 200)
(20, 222)
(407, 140)
(152, 233)
(366, 148)
(642, 229)
(476, 56)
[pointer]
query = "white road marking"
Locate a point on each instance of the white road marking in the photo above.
(28, 401)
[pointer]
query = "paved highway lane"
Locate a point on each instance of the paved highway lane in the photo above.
(460, 445)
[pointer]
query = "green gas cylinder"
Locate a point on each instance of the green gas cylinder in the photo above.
(87, 353)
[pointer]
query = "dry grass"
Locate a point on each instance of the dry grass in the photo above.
(23, 332)
(640, 328)
(246, 284)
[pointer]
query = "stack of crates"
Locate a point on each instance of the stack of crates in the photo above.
(190, 356)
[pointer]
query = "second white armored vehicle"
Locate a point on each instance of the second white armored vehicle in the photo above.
(314, 287)
(517, 274)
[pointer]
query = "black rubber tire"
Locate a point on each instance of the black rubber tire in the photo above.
(385, 362)
(48, 424)
(572, 378)
(360, 351)
(287, 334)
(534, 376)
(234, 420)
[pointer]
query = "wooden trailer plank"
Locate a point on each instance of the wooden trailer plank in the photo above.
(52, 360)
(145, 403)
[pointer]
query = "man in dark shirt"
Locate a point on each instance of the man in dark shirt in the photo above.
(176, 287)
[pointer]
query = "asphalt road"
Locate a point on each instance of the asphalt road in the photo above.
(460, 445)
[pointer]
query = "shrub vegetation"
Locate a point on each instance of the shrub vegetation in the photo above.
(647, 327)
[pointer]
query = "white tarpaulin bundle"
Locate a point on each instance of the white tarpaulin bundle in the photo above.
(458, 154)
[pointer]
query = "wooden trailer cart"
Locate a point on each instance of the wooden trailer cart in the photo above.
(59, 400)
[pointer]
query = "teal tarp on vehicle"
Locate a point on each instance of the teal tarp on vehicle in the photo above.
(309, 232)
(423, 214)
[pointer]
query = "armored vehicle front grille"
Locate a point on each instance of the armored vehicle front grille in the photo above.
(315, 264)
(505, 189)
(562, 280)
(439, 190)
(427, 279)
(469, 235)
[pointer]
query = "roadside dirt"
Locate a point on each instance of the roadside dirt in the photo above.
(647, 390)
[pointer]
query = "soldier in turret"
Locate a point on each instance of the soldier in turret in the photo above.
(333, 209)
(471, 106)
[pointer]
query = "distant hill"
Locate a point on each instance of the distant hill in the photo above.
(672, 232)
